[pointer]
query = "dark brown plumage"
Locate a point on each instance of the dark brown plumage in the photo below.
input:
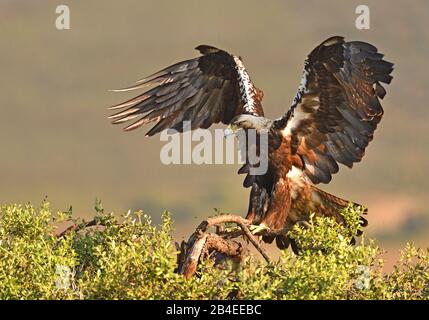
(204, 90)
(331, 121)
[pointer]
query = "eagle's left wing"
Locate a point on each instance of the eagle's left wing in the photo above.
(336, 110)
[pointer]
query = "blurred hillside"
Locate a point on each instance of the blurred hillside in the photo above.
(56, 140)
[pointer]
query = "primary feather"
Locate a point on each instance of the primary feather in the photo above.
(214, 87)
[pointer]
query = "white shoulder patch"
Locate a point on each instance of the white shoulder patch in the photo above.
(295, 173)
(297, 116)
(303, 84)
(246, 87)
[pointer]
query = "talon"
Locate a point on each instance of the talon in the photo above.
(255, 229)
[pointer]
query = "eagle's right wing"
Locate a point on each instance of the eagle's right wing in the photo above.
(214, 87)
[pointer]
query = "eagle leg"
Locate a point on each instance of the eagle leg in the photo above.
(259, 228)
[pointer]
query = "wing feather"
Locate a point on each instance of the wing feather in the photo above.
(214, 87)
(337, 107)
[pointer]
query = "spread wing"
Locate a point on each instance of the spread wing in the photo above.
(214, 87)
(337, 108)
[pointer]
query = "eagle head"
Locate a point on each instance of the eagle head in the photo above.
(248, 121)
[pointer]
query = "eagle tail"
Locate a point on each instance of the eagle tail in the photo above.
(333, 206)
(330, 206)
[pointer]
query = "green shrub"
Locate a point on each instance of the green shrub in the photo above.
(130, 258)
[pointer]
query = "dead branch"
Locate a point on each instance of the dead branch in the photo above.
(201, 243)
(193, 257)
(241, 222)
(201, 246)
(215, 243)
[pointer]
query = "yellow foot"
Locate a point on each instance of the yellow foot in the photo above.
(255, 229)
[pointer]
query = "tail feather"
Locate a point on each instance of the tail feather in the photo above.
(327, 205)
(333, 205)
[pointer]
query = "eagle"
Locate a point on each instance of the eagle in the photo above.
(331, 121)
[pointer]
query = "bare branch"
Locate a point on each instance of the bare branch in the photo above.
(193, 256)
(241, 222)
(201, 243)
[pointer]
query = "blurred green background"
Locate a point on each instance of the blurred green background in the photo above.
(56, 140)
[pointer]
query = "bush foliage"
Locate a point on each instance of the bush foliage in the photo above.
(131, 258)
